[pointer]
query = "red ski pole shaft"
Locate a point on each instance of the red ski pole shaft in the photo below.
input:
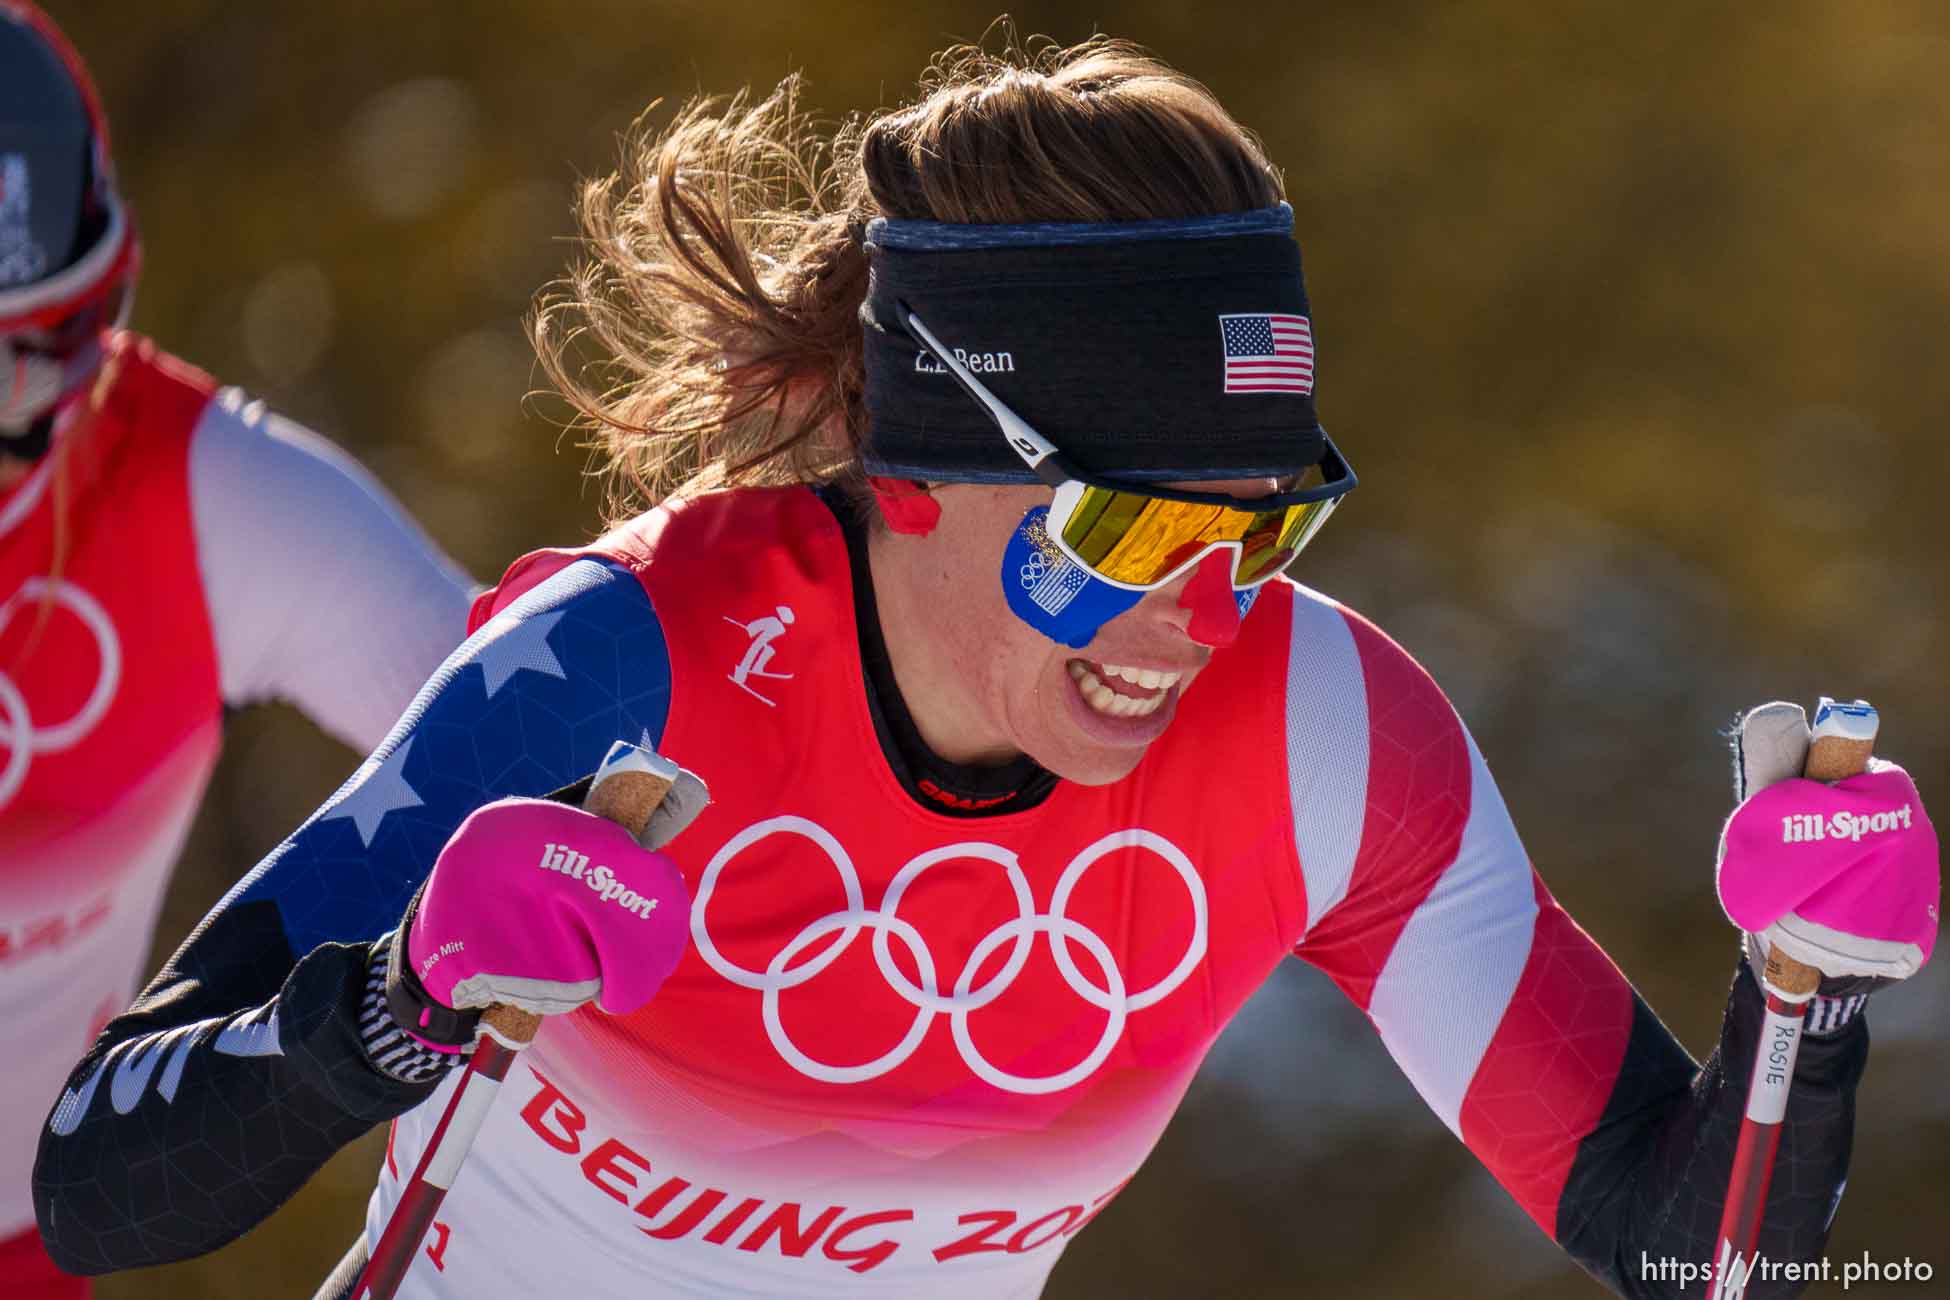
(1789, 986)
(627, 797)
(452, 1137)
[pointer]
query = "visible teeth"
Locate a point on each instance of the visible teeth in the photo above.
(1149, 679)
(1105, 700)
(1101, 697)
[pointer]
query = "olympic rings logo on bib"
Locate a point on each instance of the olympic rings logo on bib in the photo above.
(20, 735)
(1107, 991)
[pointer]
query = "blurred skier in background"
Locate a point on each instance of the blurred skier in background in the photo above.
(168, 549)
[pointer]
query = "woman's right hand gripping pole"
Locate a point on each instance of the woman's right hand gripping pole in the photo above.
(533, 908)
(538, 905)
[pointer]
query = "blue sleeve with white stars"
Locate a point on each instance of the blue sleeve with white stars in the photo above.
(239, 1069)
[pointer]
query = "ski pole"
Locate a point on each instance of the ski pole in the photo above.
(627, 789)
(1844, 736)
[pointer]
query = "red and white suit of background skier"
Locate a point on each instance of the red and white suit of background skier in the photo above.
(167, 549)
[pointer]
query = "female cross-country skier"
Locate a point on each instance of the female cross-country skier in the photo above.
(167, 549)
(981, 451)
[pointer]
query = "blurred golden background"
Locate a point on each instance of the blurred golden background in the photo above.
(1628, 315)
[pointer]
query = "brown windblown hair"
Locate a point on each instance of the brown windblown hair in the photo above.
(711, 337)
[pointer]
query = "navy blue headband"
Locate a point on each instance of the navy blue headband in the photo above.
(1145, 350)
(950, 237)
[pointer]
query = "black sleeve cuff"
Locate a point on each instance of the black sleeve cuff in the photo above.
(320, 1008)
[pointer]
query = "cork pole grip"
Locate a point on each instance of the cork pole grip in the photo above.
(626, 797)
(1830, 758)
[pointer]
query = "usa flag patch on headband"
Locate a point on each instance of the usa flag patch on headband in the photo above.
(1268, 353)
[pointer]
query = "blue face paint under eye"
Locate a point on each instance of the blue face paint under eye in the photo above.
(1053, 594)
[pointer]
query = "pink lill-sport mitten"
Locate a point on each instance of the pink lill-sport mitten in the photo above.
(1843, 877)
(542, 906)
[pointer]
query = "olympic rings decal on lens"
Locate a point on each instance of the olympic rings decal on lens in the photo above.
(1108, 992)
(19, 735)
